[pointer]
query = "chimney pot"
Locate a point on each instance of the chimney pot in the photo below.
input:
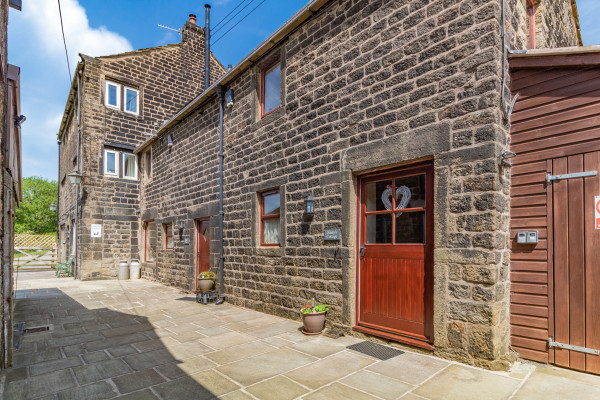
(193, 19)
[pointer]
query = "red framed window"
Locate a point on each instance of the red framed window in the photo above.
(270, 88)
(168, 230)
(270, 218)
(149, 241)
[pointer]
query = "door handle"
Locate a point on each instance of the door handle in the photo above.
(361, 251)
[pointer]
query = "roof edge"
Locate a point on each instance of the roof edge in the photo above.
(270, 42)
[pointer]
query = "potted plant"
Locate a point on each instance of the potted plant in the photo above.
(206, 281)
(313, 318)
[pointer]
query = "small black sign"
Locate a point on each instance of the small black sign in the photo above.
(333, 234)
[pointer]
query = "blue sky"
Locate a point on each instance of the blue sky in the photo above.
(101, 27)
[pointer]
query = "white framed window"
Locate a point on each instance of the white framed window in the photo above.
(129, 166)
(111, 163)
(112, 95)
(147, 164)
(132, 100)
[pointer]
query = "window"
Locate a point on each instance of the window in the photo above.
(149, 241)
(117, 94)
(270, 89)
(111, 163)
(131, 100)
(129, 166)
(269, 218)
(148, 164)
(168, 228)
(112, 95)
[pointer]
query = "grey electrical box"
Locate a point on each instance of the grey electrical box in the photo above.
(527, 237)
(532, 237)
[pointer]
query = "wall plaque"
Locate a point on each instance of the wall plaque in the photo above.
(333, 234)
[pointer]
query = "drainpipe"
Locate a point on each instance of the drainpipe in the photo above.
(221, 94)
(58, 142)
(75, 228)
(207, 47)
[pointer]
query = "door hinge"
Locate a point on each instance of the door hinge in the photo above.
(552, 343)
(550, 178)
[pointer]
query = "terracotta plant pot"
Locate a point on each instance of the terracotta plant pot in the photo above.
(206, 284)
(314, 322)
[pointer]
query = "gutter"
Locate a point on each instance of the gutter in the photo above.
(273, 40)
(557, 51)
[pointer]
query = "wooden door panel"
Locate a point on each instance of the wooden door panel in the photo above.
(576, 267)
(394, 279)
(592, 265)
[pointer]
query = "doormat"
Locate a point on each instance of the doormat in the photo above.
(375, 350)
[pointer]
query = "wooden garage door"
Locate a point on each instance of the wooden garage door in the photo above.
(576, 262)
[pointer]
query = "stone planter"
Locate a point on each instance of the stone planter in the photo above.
(313, 322)
(206, 284)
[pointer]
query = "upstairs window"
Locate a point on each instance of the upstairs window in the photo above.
(131, 100)
(168, 229)
(270, 92)
(270, 218)
(149, 241)
(129, 166)
(121, 97)
(113, 95)
(111, 163)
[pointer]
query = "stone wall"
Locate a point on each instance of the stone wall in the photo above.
(364, 86)
(555, 24)
(168, 77)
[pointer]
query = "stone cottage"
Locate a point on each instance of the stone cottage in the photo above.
(10, 179)
(114, 104)
(394, 117)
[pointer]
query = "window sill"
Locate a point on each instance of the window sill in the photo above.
(269, 251)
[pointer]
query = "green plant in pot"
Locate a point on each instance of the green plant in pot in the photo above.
(313, 318)
(206, 281)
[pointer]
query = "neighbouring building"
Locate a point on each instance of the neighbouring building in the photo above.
(10, 179)
(114, 104)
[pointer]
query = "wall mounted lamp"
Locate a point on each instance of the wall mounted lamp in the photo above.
(309, 205)
(75, 177)
(229, 98)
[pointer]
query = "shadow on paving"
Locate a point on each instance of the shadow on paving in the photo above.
(94, 354)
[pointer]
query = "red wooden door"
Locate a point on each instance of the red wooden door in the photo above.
(202, 247)
(576, 262)
(395, 261)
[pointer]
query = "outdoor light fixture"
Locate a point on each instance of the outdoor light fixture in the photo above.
(505, 156)
(309, 205)
(75, 177)
(169, 140)
(229, 98)
(52, 206)
(19, 120)
(180, 224)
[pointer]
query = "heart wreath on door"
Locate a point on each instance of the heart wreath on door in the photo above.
(402, 198)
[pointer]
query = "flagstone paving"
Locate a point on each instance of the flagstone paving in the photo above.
(139, 340)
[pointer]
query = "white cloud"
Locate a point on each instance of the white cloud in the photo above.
(43, 17)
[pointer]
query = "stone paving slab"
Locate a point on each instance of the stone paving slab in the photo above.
(138, 340)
